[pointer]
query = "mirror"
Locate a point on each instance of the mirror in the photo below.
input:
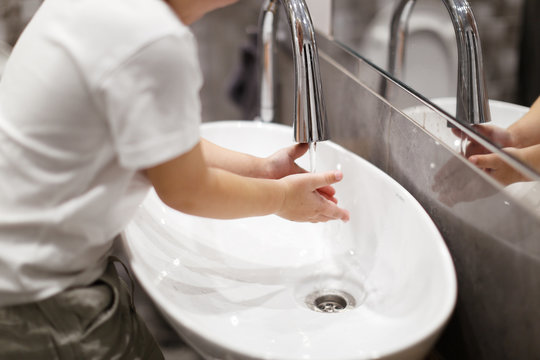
(430, 31)
(428, 64)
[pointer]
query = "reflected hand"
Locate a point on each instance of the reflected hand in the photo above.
(491, 163)
(499, 169)
(454, 184)
(495, 134)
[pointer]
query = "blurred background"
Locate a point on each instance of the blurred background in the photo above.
(509, 30)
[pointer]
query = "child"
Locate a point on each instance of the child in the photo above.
(98, 102)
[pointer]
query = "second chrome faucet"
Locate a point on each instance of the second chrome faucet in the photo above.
(472, 99)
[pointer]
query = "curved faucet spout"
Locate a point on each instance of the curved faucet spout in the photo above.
(472, 99)
(310, 124)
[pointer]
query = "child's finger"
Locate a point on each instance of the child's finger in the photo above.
(322, 180)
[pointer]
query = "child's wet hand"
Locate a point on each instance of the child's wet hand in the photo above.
(282, 163)
(304, 201)
(499, 169)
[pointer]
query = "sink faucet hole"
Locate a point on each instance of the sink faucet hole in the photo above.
(330, 301)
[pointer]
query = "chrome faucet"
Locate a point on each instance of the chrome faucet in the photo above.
(310, 124)
(471, 99)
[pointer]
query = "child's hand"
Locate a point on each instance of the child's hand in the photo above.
(497, 135)
(282, 163)
(303, 200)
(500, 170)
(492, 163)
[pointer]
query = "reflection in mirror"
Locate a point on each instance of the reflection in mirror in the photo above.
(365, 27)
(471, 105)
(425, 57)
(512, 128)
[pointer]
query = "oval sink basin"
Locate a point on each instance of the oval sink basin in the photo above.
(381, 286)
(503, 115)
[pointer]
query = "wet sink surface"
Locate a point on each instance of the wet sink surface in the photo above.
(381, 286)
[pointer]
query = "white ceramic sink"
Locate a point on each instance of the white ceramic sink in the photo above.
(503, 115)
(237, 289)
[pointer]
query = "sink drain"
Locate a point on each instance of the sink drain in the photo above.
(330, 301)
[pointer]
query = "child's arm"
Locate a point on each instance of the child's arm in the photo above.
(526, 131)
(233, 161)
(188, 184)
(278, 165)
(275, 166)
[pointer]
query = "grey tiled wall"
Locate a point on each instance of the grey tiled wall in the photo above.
(499, 23)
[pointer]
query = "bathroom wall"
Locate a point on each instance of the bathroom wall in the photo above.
(499, 23)
(224, 40)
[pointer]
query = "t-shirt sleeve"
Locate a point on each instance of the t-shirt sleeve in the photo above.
(151, 102)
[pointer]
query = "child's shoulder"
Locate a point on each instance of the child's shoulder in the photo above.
(125, 17)
(101, 34)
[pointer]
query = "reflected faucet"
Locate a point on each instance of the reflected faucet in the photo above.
(471, 99)
(310, 123)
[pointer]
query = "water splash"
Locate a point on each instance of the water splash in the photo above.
(313, 157)
(463, 143)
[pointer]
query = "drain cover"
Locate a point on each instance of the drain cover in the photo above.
(330, 301)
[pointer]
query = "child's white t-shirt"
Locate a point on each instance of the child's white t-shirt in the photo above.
(94, 92)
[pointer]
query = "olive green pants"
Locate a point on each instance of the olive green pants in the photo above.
(92, 322)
